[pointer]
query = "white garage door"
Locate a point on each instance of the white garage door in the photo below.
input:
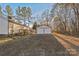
(43, 30)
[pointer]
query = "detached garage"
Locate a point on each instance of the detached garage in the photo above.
(43, 30)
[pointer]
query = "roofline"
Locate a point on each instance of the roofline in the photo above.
(17, 23)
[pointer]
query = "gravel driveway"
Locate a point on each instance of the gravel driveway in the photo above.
(35, 45)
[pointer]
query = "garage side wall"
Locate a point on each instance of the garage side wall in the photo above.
(3, 26)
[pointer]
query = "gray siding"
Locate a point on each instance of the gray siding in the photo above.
(3, 25)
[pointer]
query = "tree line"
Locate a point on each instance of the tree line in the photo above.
(22, 13)
(66, 18)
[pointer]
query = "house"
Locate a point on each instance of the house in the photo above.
(16, 28)
(10, 26)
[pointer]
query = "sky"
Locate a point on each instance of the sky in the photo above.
(36, 7)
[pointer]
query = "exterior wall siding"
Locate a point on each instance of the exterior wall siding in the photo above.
(3, 26)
